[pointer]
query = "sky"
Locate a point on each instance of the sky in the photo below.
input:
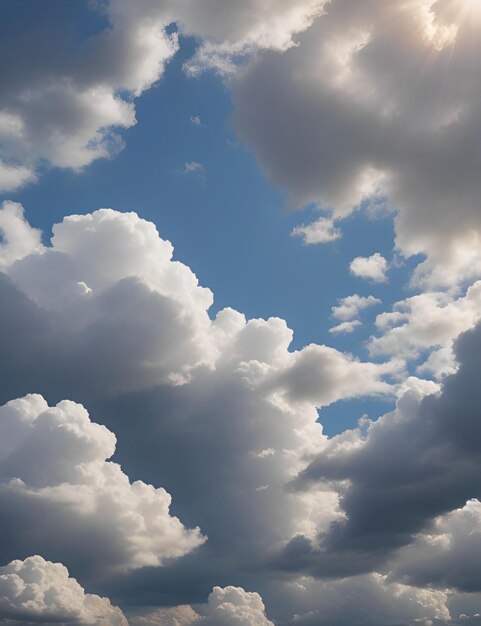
(240, 275)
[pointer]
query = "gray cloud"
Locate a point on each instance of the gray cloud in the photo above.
(414, 464)
(378, 99)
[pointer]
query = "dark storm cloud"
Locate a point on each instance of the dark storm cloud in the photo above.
(413, 465)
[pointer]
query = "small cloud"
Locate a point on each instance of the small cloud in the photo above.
(348, 308)
(320, 231)
(195, 120)
(372, 268)
(195, 168)
(345, 327)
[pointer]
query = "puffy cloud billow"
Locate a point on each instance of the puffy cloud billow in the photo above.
(60, 497)
(219, 411)
(37, 591)
(66, 105)
(223, 415)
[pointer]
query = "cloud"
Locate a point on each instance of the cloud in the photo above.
(413, 465)
(196, 169)
(195, 120)
(378, 101)
(447, 556)
(38, 591)
(229, 606)
(54, 471)
(66, 105)
(428, 321)
(103, 315)
(320, 231)
(17, 238)
(345, 327)
(229, 32)
(360, 601)
(372, 268)
(348, 308)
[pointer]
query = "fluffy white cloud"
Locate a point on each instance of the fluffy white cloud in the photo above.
(53, 470)
(348, 308)
(38, 591)
(378, 100)
(17, 237)
(345, 327)
(429, 321)
(320, 231)
(373, 267)
(228, 606)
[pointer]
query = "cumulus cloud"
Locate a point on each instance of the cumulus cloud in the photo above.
(17, 237)
(105, 316)
(348, 308)
(53, 470)
(413, 465)
(38, 591)
(378, 100)
(65, 105)
(320, 231)
(228, 606)
(428, 321)
(373, 267)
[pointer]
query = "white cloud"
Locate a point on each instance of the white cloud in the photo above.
(38, 591)
(348, 308)
(228, 606)
(372, 268)
(428, 321)
(320, 231)
(17, 237)
(345, 327)
(56, 457)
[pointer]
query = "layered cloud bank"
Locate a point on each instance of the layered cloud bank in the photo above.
(347, 104)
(225, 416)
